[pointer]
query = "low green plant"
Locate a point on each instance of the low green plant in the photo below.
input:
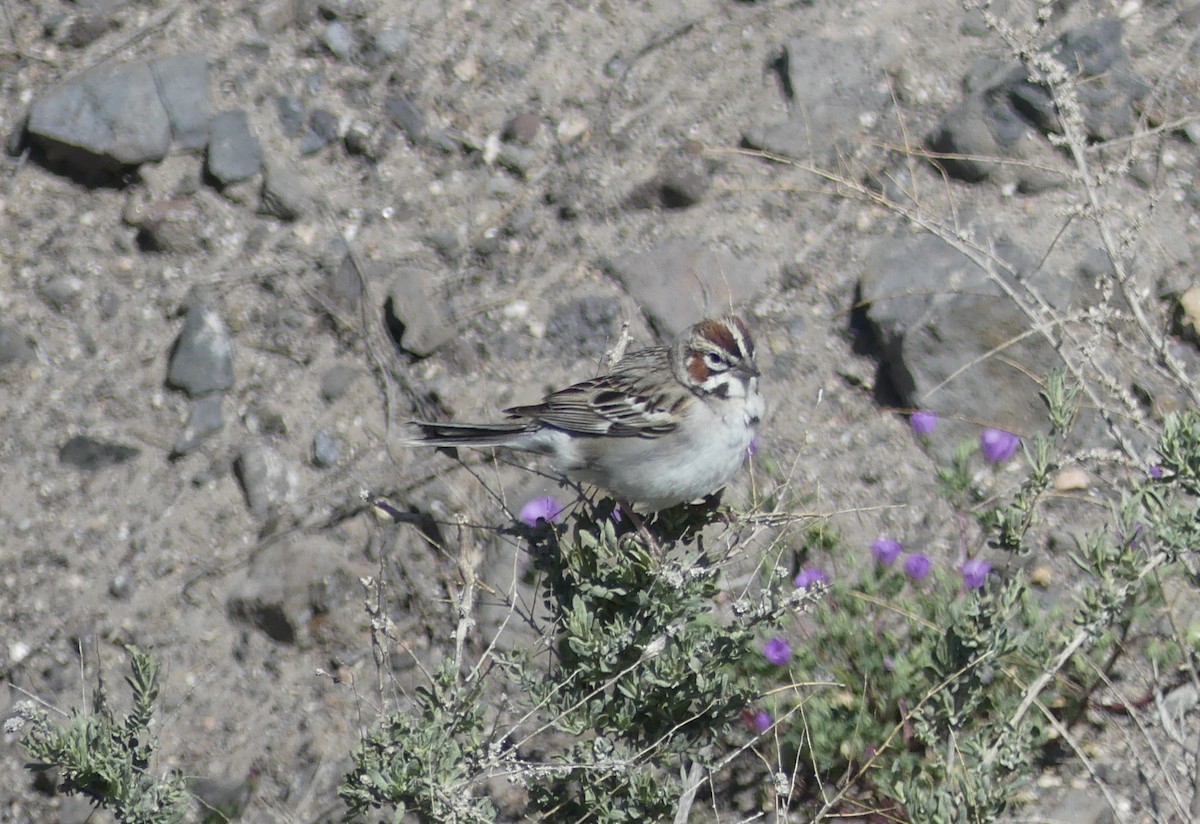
(108, 759)
(426, 760)
(643, 673)
(947, 678)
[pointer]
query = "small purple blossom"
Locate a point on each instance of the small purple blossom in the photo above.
(922, 423)
(975, 572)
(1155, 471)
(997, 445)
(540, 509)
(917, 566)
(808, 576)
(1136, 537)
(758, 721)
(886, 550)
(753, 447)
(777, 651)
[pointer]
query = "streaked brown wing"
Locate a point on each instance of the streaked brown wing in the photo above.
(627, 402)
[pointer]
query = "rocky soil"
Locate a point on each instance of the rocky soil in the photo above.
(241, 242)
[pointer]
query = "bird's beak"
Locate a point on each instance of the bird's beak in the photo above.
(749, 370)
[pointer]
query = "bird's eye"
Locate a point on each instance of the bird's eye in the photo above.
(715, 361)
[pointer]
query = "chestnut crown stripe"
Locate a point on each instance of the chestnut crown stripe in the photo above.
(730, 334)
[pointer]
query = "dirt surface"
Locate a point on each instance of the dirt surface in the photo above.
(165, 553)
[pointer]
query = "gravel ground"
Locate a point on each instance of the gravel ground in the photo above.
(463, 203)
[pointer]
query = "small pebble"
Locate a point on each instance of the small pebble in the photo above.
(406, 115)
(336, 381)
(121, 585)
(311, 143)
(391, 41)
(516, 159)
(522, 128)
(325, 123)
(326, 450)
(291, 114)
(1071, 479)
(338, 39)
(1041, 576)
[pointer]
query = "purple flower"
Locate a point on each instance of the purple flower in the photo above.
(917, 566)
(540, 509)
(807, 577)
(777, 651)
(1132, 540)
(886, 550)
(922, 423)
(997, 445)
(758, 721)
(1155, 471)
(753, 447)
(975, 572)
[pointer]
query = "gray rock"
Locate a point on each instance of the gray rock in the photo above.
(204, 421)
(522, 128)
(835, 86)
(976, 129)
(391, 41)
(121, 584)
(339, 40)
(234, 153)
(169, 225)
(326, 450)
(89, 454)
(1005, 108)
(124, 115)
(312, 142)
(266, 479)
(517, 159)
(417, 322)
(183, 88)
(265, 418)
(323, 128)
(291, 114)
(103, 121)
(15, 347)
(371, 142)
(680, 282)
(325, 123)
(289, 584)
(61, 291)
(336, 382)
(407, 117)
(342, 286)
(202, 361)
(1108, 89)
(285, 194)
(82, 30)
(681, 181)
(951, 341)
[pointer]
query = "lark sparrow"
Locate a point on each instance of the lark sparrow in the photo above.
(666, 426)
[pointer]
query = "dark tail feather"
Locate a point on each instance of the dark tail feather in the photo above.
(465, 434)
